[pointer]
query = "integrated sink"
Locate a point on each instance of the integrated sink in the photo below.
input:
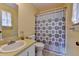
(12, 47)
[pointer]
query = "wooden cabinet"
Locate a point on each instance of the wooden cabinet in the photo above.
(30, 51)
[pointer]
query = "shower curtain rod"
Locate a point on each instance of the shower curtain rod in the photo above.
(51, 10)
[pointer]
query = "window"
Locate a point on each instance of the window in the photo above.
(75, 16)
(6, 19)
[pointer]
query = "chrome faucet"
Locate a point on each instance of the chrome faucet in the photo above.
(11, 42)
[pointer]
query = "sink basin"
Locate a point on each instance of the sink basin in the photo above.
(12, 47)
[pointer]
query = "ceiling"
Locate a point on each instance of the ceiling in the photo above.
(46, 6)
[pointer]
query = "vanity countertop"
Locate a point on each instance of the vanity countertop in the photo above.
(28, 43)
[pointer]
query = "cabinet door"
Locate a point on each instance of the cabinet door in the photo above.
(31, 51)
(24, 53)
(28, 52)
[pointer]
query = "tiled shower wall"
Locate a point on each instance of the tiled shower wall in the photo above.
(50, 29)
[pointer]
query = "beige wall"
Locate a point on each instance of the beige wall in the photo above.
(26, 19)
(50, 8)
(72, 36)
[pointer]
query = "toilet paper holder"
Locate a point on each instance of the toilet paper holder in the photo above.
(77, 43)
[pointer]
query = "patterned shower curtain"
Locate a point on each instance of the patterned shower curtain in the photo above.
(50, 29)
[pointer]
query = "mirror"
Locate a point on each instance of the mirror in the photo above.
(8, 21)
(75, 17)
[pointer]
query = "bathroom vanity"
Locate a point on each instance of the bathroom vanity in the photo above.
(27, 50)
